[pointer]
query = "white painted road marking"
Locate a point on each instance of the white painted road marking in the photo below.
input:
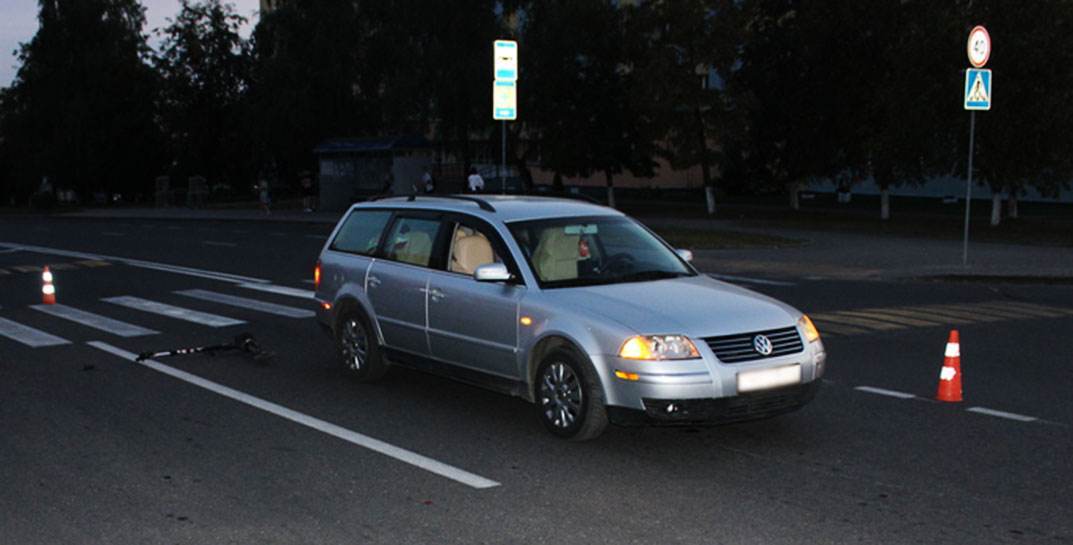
(189, 271)
(170, 311)
(252, 304)
(34, 338)
(747, 280)
(361, 440)
(1002, 414)
(282, 290)
(224, 244)
(885, 392)
(96, 321)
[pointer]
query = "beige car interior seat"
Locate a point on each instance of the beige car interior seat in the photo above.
(417, 250)
(556, 255)
(471, 252)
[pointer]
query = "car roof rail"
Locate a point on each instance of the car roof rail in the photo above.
(483, 204)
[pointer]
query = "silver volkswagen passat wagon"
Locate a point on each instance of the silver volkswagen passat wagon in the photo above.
(575, 307)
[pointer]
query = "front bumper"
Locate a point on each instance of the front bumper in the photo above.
(716, 411)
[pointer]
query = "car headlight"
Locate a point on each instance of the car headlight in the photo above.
(811, 333)
(658, 347)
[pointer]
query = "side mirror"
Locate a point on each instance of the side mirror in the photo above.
(492, 272)
(684, 254)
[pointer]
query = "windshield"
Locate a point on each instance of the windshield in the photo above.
(600, 250)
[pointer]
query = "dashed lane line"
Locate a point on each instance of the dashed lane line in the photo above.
(1002, 414)
(34, 338)
(252, 304)
(885, 392)
(403, 455)
(171, 311)
(96, 321)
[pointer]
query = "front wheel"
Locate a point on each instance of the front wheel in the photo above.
(358, 349)
(569, 398)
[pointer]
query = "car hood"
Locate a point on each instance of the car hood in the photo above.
(697, 306)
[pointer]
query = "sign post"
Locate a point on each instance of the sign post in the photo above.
(504, 95)
(977, 95)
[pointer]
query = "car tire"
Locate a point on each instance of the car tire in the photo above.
(569, 399)
(359, 351)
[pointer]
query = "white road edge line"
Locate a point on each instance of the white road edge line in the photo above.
(884, 392)
(214, 275)
(361, 440)
(746, 279)
(1001, 414)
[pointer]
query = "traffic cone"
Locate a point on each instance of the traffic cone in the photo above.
(48, 289)
(950, 376)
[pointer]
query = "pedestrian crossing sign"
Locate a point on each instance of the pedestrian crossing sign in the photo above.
(977, 89)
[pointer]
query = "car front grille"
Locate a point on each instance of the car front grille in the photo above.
(739, 348)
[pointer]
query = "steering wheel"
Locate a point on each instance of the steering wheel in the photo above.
(619, 263)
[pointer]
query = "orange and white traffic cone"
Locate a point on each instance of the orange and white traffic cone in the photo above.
(48, 289)
(950, 376)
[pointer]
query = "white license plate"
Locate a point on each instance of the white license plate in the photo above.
(766, 379)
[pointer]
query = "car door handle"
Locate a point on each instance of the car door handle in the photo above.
(436, 294)
(374, 281)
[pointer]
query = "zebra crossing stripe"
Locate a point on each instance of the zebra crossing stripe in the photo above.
(877, 314)
(932, 317)
(281, 290)
(960, 312)
(252, 304)
(851, 320)
(1040, 310)
(832, 329)
(171, 311)
(96, 321)
(34, 338)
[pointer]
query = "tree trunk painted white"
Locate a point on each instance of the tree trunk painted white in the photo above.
(795, 201)
(996, 208)
(709, 195)
(1011, 206)
(884, 204)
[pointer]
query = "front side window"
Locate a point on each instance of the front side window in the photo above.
(589, 251)
(411, 240)
(470, 249)
(361, 232)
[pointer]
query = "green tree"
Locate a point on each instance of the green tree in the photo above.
(686, 51)
(586, 114)
(81, 107)
(204, 67)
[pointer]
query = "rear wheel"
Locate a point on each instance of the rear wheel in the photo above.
(359, 351)
(569, 398)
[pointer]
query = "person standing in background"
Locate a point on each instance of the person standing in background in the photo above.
(309, 193)
(475, 183)
(428, 182)
(263, 196)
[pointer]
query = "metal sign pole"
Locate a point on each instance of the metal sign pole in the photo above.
(503, 176)
(968, 189)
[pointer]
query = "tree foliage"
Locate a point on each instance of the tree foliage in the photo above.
(204, 69)
(81, 108)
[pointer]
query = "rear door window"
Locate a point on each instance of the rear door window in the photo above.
(360, 233)
(411, 240)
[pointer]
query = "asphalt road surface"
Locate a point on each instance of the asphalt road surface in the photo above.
(219, 449)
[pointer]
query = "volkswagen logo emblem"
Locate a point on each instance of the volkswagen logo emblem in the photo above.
(762, 345)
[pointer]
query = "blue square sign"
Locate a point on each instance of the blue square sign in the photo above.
(977, 89)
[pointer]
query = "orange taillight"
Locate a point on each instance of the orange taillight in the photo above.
(316, 276)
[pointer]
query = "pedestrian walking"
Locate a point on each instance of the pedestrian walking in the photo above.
(428, 182)
(475, 183)
(309, 193)
(263, 196)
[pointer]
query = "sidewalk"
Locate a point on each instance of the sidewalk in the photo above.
(845, 256)
(826, 255)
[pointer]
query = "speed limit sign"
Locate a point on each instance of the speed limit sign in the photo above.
(979, 46)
